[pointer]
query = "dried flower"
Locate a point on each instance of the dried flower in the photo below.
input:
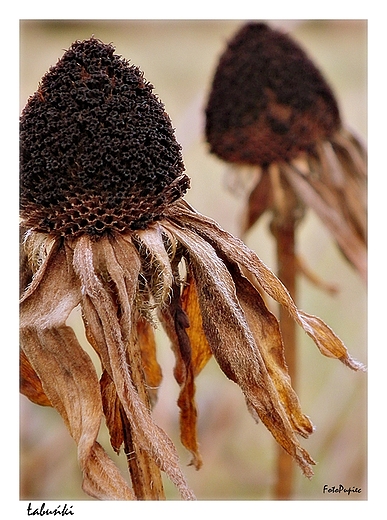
(105, 228)
(270, 107)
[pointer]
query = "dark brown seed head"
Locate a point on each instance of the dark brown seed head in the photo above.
(97, 149)
(268, 101)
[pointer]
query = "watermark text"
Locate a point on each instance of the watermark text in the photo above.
(341, 489)
(43, 510)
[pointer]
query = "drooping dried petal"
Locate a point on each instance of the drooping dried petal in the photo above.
(338, 196)
(100, 470)
(260, 200)
(67, 374)
(30, 384)
(112, 411)
(145, 475)
(234, 251)
(200, 350)
(156, 266)
(225, 326)
(183, 324)
(37, 250)
(109, 332)
(264, 327)
(152, 369)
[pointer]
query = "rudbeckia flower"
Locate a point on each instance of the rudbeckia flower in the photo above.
(270, 108)
(105, 228)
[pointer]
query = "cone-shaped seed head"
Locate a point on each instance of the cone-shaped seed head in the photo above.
(98, 150)
(268, 101)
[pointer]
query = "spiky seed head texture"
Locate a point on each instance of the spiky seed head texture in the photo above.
(97, 149)
(268, 101)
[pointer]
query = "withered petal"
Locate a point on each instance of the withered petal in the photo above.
(233, 344)
(152, 369)
(30, 384)
(146, 478)
(318, 197)
(266, 331)
(234, 251)
(353, 154)
(100, 470)
(352, 162)
(145, 474)
(109, 332)
(199, 356)
(157, 261)
(188, 418)
(111, 410)
(67, 373)
(336, 189)
(36, 254)
(182, 321)
(200, 349)
(175, 322)
(259, 200)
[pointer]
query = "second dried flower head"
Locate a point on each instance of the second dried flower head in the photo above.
(271, 108)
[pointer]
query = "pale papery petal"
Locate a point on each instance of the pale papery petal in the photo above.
(120, 262)
(30, 384)
(152, 370)
(67, 373)
(266, 331)
(332, 205)
(182, 321)
(156, 259)
(233, 250)
(233, 344)
(152, 438)
(37, 250)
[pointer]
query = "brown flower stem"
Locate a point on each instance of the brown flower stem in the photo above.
(287, 274)
(283, 228)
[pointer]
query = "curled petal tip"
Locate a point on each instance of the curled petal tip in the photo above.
(353, 364)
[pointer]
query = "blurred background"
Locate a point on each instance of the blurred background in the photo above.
(179, 58)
